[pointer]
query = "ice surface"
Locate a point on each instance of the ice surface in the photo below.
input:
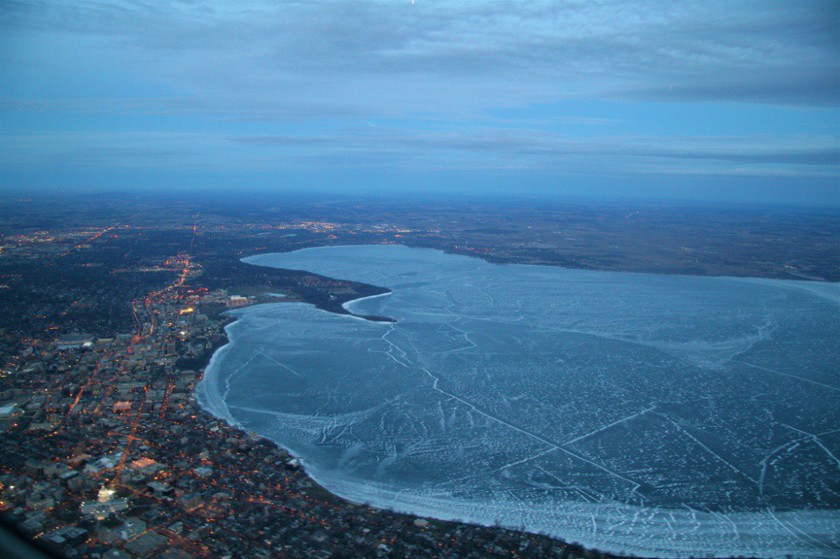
(646, 414)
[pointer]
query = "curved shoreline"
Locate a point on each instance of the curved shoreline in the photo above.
(489, 259)
(366, 494)
(385, 499)
(354, 301)
(201, 395)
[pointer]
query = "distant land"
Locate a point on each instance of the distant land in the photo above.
(112, 305)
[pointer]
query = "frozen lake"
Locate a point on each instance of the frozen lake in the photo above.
(636, 413)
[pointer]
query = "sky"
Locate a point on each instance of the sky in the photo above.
(713, 100)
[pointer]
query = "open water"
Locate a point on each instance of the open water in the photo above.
(636, 413)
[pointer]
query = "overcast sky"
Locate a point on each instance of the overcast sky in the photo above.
(730, 101)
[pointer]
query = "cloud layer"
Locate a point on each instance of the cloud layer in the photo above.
(550, 87)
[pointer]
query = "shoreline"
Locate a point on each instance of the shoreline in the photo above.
(370, 495)
(440, 514)
(366, 297)
(431, 522)
(382, 500)
(200, 391)
(370, 318)
(498, 261)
